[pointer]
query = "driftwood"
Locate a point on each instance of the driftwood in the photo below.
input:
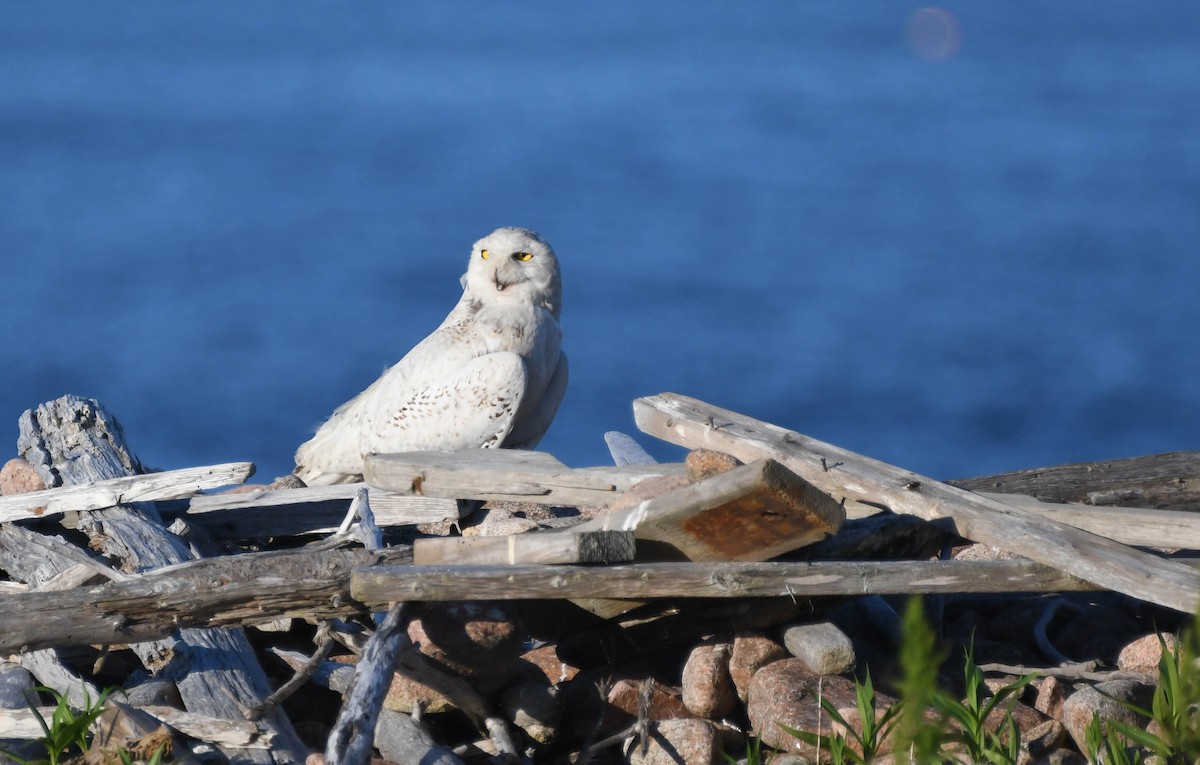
(75, 441)
(843, 473)
(555, 547)
(234, 590)
(310, 510)
(505, 474)
(118, 491)
(752, 512)
(1170, 480)
(239, 734)
(707, 580)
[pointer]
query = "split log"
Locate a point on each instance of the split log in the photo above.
(75, 441)
(706, 580)
(843, 473)
(504, 475)
(234, 590)
(1170, 480)
(121, 491)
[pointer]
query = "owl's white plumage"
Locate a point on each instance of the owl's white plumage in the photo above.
(492, 375)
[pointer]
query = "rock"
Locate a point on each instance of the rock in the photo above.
(1142, 655)
(543, 662)
(822, 646)
(708, 689)
(1103, 700)
(705, 463)
(475, 640)
(1051, 693)
(534, 708)
(787, 693)
(17, 686)
(624, 698)
(405, 694)
(19, 477)
(695, 742)
(400, 738)
(1043, 740)
(751, 652)
(1099, 630)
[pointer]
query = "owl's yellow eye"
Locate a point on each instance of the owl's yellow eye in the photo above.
(522, 256)
(484, 254)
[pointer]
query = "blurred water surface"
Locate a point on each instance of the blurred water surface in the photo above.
(962, 240)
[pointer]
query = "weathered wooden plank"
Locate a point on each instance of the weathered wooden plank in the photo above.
(311, 510)
(1170, 480)
(568, 546)
(1141, 526)
(503, 474)
(753, 512)
(643, 581)
(843, 473)
(118, 491)
(234, 590)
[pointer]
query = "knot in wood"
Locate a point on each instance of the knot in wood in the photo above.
(725, 581)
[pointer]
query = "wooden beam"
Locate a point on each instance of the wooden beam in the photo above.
(116, 491)
(504, 474)
(842, 473)
(569, 546)
(643, 581)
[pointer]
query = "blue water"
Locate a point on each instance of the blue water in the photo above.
(967, 251)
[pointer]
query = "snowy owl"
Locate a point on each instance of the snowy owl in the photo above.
(492, 375)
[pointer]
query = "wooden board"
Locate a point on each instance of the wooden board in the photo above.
(753, 512)
(123, 490)
(542, 547)
(504, 474)
(842, 473)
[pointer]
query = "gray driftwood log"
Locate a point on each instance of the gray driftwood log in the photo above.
(233, 590)
(73, 441)
(1170, 480)
(643, 581)
(843, 473)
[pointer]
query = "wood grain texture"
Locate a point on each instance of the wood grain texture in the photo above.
(843, 473)
(644, 581)
(1169, 480)
(234, 590)
(504, 474)
(753, 512)
(76, 441)
(117, 491)
(545, 548)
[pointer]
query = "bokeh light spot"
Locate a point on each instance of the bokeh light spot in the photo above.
(933, 33)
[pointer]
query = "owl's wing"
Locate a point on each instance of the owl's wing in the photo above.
(333, 454)
(471, 405)
(536, 418)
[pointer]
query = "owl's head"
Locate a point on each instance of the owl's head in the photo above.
(514, 264)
